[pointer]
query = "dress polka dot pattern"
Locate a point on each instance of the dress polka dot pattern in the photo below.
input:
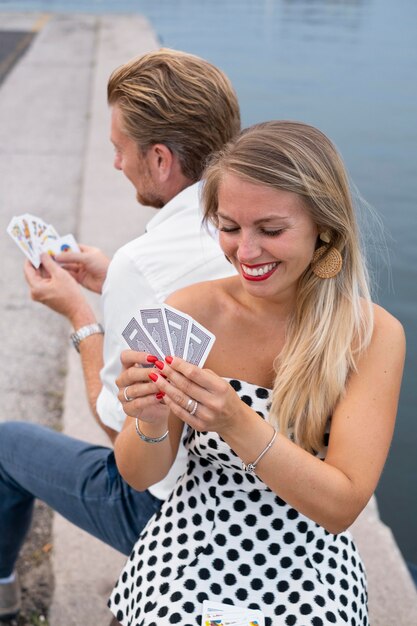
(224, 536)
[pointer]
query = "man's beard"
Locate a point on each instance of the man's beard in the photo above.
(150, 199)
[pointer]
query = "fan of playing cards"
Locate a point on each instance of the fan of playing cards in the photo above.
(34, 236)
(164, 331)
(217, 614)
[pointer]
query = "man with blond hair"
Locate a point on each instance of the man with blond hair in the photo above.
(170, 111)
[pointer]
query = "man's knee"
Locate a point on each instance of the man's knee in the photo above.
(16, 435)
(9, 431)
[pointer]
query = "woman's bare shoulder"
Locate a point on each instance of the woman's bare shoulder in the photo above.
(202, 301)
(388, 330)
(385, 321)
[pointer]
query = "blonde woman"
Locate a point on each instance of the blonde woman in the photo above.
(289, 423)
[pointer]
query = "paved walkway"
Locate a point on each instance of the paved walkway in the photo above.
(56, 161)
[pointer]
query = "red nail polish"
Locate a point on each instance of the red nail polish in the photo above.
(159, 395)
(169, 359)
(153, 377)
(159, 365)
(151, 358)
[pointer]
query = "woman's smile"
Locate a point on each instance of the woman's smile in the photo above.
(260, 271)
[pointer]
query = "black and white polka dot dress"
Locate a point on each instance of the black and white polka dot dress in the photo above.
(224, 536)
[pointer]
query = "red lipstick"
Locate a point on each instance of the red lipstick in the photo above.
(264, 276)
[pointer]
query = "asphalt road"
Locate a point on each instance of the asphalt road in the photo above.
(12, 45)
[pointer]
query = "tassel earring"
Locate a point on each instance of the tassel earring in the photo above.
(326, 262)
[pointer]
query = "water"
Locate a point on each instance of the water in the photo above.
(348, 67)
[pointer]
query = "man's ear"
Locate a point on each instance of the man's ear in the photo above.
(161, 161)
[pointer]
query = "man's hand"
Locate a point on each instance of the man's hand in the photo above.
(88, 267)
(56, 288)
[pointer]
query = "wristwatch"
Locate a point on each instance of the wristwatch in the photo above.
(84, 332)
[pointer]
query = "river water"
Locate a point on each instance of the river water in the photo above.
(350, 68)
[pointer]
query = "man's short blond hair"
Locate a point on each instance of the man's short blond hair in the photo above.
(179, 100)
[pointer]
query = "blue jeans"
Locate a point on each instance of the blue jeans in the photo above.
(77, 479)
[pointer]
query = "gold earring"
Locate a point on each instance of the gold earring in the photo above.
(326, 262)
(325, 236)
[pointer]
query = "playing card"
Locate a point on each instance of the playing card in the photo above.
(20, 234)
(137, 338)
(25, 222)
(36, 226)
(153, 321)
(218, 614)
(224, 614)
(234, 614)
(47, 237)
(178, 325)
(199, 343)
(66, 243)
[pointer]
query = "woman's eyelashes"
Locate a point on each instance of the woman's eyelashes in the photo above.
(272, 233)
(268, 232)
(228, 229)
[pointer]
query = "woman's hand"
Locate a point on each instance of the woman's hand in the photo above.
(139, 396)
(197, 396)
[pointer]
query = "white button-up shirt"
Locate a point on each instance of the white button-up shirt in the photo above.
(175, 251)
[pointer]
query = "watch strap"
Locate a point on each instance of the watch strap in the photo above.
(84, 332)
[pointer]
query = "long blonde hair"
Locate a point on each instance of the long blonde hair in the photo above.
(332, 321)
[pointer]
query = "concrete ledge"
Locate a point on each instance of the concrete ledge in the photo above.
(85, 568)
(392, 594)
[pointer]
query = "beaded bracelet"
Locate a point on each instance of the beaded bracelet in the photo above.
(149, 439)
(250, 467)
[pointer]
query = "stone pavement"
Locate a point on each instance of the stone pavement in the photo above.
(56, 161)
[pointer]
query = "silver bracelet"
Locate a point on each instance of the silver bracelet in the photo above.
(149, 439)
(251, 467)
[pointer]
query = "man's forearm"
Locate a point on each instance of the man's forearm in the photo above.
(91, 353)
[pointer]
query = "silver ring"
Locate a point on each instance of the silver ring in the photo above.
(189, 404)
(194, 409)
(126, 397)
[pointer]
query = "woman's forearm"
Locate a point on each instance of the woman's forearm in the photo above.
(316, 489)
(142, 463)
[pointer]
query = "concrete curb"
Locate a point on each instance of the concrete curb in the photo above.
(85, 568)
